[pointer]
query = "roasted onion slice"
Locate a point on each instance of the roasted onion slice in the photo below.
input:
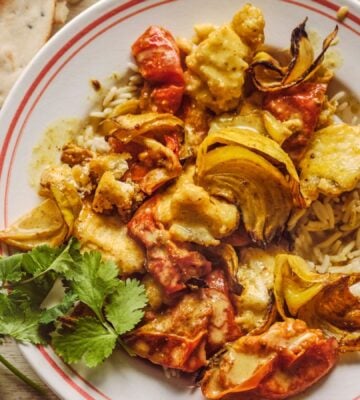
(44, 224)
(247, 137)
(252, 183)
(336, 310)
(295, 284)
(269, 75)
(330, 302)
(253, 172)
(127, 127)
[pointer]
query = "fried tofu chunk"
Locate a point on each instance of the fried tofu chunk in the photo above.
(112, 193)
(216, 67)
(217, 70)
(109, 235)
(331, 164)
(193, 215)
(249, 24)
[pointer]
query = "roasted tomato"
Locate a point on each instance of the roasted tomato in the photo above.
(177, 338)
(303, 103)
(158, 58)
(279, 363)
(186, 334)
(171, 263)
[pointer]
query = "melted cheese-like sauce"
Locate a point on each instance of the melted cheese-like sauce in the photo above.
(46, 153)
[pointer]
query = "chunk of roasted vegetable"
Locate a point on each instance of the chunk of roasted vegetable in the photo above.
(127, 127)
(109, 235)
(279, 363)
(331, 164)
(183, 336)
(336, 310)
(170, 262)
(177, 338)
(153, 141)
(269, 75)
(42, 225)
(299, 109)
(330, 302)
(58, 183)
(216, 67)
(191, 214)
(158, 58)
(253, 172)
(255, 305)
(295, 283)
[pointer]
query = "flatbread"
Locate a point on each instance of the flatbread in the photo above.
(25, 25)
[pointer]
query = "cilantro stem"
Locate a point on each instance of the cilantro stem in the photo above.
(126, 347)
(20, 375)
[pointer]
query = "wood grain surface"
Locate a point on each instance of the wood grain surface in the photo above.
(11, 388)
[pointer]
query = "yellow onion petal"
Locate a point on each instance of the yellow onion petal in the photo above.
(126, 127)
(295, 284)
(258, 143)
(58, 183)
(251, 182)
(42, 225)
(267, 73)
(336, 310)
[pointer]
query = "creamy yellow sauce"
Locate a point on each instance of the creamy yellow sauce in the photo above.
(46, 152)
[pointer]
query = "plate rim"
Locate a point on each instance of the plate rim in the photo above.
(41, 58)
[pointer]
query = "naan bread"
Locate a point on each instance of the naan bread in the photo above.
(24, 28)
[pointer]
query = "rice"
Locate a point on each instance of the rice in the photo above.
(122, 90)
(327, 234)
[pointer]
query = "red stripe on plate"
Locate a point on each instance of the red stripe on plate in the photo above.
(47, 68)
(57, 368)
(61, 372)
(19, 136)
(336, 7)
(37, 82)
(297, 3)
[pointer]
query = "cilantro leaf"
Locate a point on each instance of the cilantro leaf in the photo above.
(51, 314)
(43, 259)
(124, 309)
(93, 280)
(18, 319)
(11, 268)
(90, 342)
(36, 290)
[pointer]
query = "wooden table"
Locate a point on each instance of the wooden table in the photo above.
(11, 388)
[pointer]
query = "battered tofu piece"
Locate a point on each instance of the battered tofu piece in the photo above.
(249, 24)
(116, 163)
(217, 65)
(256, 275)
(108, 235)
(331, 164)
(217, 70)
(111, 192)
(192, 215)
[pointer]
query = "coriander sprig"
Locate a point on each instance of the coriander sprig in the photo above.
(115, 306)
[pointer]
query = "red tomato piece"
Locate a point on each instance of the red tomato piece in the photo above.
(158, 59)
(167, 98)
(172, 264)
(304, 102)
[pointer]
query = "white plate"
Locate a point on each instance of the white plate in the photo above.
(56, 85)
